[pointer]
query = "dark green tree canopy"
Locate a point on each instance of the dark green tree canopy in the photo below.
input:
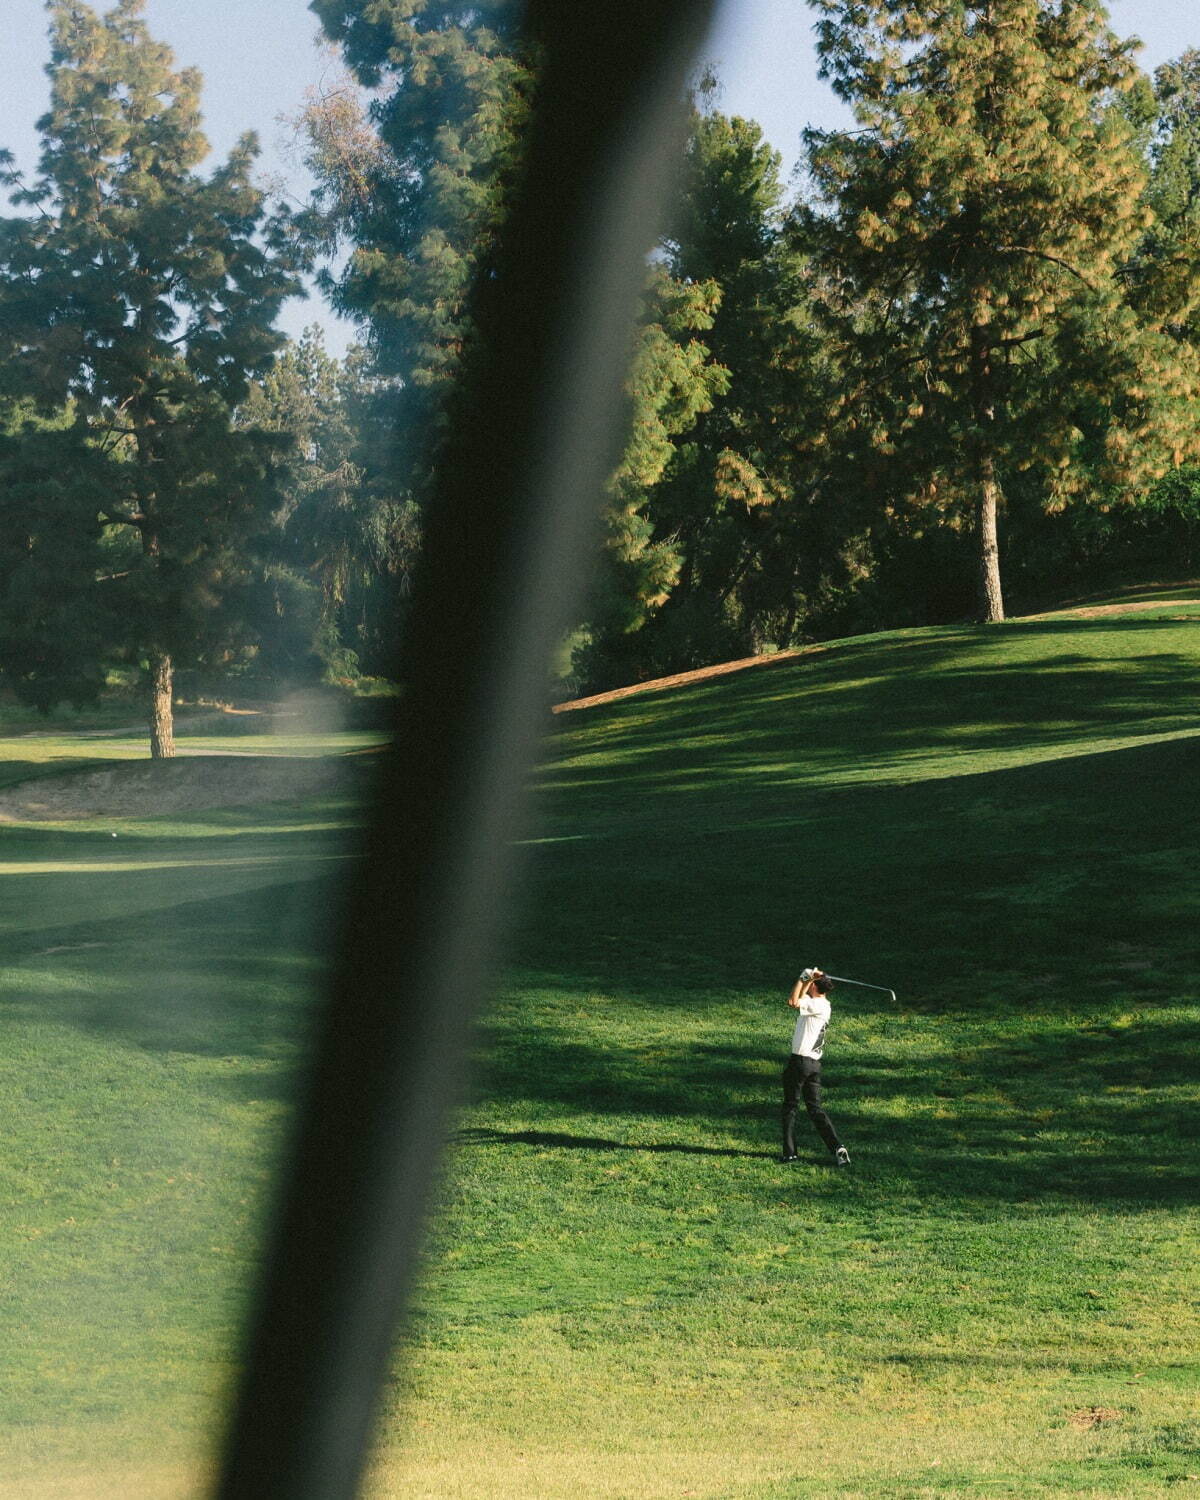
(141, 295)
(131, 257)
(339, 523)
(974, 236)
(420, 193)
(734, 498)
(1165, 274)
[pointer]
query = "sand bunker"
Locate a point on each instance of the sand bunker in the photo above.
(143, 789)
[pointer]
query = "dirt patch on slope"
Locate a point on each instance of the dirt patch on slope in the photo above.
(143, 789)
(1139, 598)
(1098, 611)
(682, 679)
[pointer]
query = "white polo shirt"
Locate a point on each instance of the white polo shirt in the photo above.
(808, 1039)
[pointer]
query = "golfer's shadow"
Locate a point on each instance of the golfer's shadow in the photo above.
(480, 1136)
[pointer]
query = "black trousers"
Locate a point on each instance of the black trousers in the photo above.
(802, 1080)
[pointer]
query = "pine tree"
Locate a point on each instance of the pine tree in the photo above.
(143, 295)
(1165, 274)
(413, 151)
(973, 237)
(417, 177)
(416, 180)
(338, 524)
(671, 381)
(53, 616)
(740, 492)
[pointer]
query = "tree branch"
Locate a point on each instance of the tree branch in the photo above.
(1020, 338)
(1056, 260)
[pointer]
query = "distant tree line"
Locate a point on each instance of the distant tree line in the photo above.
(964, 351)
(961, 358)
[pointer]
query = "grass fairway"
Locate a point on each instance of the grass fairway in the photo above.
(630, 1297)
(155, 990)
(626, 1295)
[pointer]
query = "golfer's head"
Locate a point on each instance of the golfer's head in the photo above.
(822, 985)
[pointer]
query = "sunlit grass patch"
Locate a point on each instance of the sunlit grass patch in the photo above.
(625, 1294)
(998, 824)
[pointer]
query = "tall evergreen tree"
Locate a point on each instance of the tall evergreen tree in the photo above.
(417, 180)
(672, 380)
(973, 236)
(53, 615)
(338, 524)
(722, 492)
(143, 294)
(744, 491)
(1165, 274)
(413, 153)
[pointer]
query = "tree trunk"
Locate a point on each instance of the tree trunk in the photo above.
(991, 599)
(162, 715)
(162, 669)
(987, 486)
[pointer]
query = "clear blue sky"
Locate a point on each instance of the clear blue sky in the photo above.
(259, 56)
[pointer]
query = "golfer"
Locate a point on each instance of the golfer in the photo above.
(802, 1076)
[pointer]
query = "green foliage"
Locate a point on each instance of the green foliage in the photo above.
(731, 510)
(672, 380)
(1090, 544)
(990, 297)
(421, 196)
(143, 294)
(973, 237)
(338, 525)
(733, 493)
(416, 181)
(1165, 274)
(54, 615)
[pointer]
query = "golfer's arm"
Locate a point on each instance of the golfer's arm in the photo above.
(799, 991)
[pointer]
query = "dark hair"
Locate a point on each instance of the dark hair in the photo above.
(822, 985)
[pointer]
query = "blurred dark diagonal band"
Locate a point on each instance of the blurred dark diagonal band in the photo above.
(507, 538)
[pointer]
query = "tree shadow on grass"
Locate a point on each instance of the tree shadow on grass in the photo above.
(1086, 1113)
(224, 975)
(977, 889)
(562, 1140)
(862, 709)
(1063, 1115)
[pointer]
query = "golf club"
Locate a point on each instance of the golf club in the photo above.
(839, 979)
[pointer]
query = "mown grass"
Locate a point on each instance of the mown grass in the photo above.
(625, 1294)
(154, 996)
(629, 1296)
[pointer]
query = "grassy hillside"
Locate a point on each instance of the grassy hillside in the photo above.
(633, 1298)
(627, 1295)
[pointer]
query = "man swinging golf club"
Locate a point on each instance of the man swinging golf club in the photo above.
(802, 1076)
